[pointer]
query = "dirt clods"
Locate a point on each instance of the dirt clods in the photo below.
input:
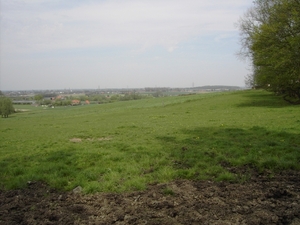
(261, 200)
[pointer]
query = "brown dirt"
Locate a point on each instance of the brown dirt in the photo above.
(261, 200)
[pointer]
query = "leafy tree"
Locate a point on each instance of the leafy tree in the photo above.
(38, 97)
(83, 97)
(270, 37)
(58, 102)
(158, 94)
(46, 102)
(67, 102)
(6, 107)
(114, 97)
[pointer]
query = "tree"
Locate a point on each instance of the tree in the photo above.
(38, 97)
(6, 107)
(270, 38)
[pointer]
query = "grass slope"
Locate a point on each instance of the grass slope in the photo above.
(123, 146)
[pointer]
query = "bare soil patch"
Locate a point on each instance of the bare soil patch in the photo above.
(76, 140)
(260, 200)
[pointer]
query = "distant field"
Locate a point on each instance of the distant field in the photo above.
(124, 146)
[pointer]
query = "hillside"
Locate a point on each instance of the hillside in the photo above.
(131, 144)
(195, 159)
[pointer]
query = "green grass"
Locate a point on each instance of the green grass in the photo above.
(126, 145)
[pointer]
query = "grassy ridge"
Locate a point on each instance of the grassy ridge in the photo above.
(126, 145)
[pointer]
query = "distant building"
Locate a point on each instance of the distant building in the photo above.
(75, 102)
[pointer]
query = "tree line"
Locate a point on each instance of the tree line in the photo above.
(100, 99)
(6, 106)
(270, 38)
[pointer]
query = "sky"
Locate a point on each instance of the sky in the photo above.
(91, 44)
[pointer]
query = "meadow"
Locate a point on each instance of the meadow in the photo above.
(124, 146)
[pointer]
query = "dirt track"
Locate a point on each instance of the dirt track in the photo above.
(261, 200)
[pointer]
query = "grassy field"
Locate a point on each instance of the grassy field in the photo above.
(124, 146)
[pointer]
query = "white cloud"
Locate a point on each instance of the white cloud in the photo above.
(115, 43)
(141, 24)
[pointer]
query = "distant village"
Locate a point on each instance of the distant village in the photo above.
(74, 97)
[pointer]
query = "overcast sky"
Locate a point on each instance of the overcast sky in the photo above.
(58, 44)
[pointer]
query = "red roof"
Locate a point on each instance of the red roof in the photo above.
(75, 101)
